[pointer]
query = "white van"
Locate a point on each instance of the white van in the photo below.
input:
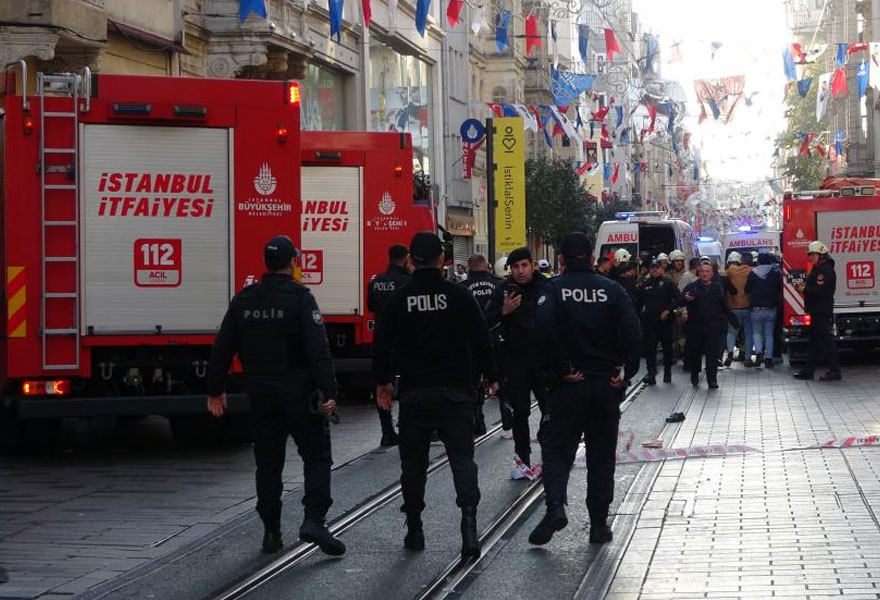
(747, 239)
(650, 232)
(709, 247)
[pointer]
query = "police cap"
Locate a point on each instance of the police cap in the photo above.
(425, 247)
(280, 249)
(576, 246)
(518, 255)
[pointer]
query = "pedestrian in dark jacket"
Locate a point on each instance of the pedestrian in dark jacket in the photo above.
(819, 303)
(658, 297)
(707, 320)
(626, 277)
(764, 287)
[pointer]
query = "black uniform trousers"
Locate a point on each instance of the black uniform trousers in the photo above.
(589, 409)
(275, 417)
(706, 343)
(655, 331)
(449, 412)
(822, 344)
(522, 377)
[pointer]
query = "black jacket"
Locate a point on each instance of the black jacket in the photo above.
(657, 294)
(764, 286)
(440, 333)
(589, 324)
(520, 328)
(819, 292)
(707, 312)
(277, 331)
(383, 286)
(481, 285)
(632, 290)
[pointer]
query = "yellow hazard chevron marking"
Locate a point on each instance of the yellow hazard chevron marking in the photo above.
(16, 318)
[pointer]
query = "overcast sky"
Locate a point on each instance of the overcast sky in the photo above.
(752, 34)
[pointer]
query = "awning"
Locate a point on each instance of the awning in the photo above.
(145, 38)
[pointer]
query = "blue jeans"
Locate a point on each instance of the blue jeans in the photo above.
(764, 323)
(745, 320)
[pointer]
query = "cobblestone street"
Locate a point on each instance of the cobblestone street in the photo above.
(782, 522)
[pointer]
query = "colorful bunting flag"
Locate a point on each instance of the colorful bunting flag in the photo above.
(335, 8)
(567, 86)
(803, 86)
(797, 53)
(839, 138)
(368, 12)
(606, 171)
(554, 40)
(502, 22)
(823, 95)
(788, 65)
(651, 46)
(874, 68)
(422, 8)
(583, 41)
(715, 46)
(246, 7)
(814, 53)
(838, 83)
(857, 47)
(862, 78)
(840, 61)
(805, 144)
(616, 172)
(611, 45)
(479, 20)
(619, 111)
(533, 40)
(453, 12)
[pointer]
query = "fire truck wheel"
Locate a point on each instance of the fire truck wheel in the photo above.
(193, 431)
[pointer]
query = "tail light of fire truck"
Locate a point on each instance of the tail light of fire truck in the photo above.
(800, 320)
(293, 93)
(28, 124)
(52, 387)
(281, 133)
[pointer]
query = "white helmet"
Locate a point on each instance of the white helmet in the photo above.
(662, 256)
(544, 263)
(817, 247)
(734, 257)
(622, 255)
(676, 255)
(501, 268)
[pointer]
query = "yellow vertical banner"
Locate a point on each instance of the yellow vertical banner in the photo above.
(510, 185)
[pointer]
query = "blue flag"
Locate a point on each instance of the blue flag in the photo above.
(619, 111)
(502, 22)
(246, 7)
(862, 77)
(606, 171)
(804, 86)
(403, 118)
(670, 126)
(545, 123)
(624, 137)
(839, 138)
(422, 9)
(788, 63)
(335, 8)
(716, 112)
(509, 111)
(567, 86)
(841, 55)
(651, 45)
(583, 40)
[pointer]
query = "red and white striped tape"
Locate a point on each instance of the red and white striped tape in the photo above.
(654, 455)
(871, 440)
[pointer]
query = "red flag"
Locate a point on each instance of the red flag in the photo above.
(616, 172)
(453, 11)
(820, 150)
(853, 48)
(534, 110)
(496, 108)
(605, 135)
(797, 53)
(611, 45)
(652, 112)
(367, 12)
(838, 83)
(805, 145)
(600, 114)
(533, 39)
(584, 168)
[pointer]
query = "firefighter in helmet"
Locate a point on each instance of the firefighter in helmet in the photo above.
(818, 294)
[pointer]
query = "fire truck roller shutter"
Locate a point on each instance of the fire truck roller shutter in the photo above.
(155, 228)
(332, 238)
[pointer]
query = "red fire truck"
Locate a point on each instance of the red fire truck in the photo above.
(844, 214)
(132, 209)
(357, 200)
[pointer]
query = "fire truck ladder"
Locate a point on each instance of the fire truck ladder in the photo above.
(63, 302)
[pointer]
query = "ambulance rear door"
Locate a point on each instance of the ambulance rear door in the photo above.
(332, 237)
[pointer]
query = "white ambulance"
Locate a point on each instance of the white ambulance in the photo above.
(749, 239)
(649, 233)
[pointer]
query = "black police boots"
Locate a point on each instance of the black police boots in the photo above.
(667, 375)
(315, 532)
(804, 375)
(600, 533)
(695, 378)
(272, 542)
(470, 543)
(415, 534)
(832, 375)
(479, 420)
(389, 439)
(650, 379)
(554, 520)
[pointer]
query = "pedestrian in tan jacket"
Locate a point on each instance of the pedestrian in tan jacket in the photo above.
(736, 276)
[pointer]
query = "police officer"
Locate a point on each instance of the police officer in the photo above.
(658, 298)
(819, 303)
(707, 321)
(513, 308)
(381, 288)
(441, 341)
(276, 330)
(593, 346)
(481, 283)
(627, 275)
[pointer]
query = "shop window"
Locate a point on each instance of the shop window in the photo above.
(323, 99)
